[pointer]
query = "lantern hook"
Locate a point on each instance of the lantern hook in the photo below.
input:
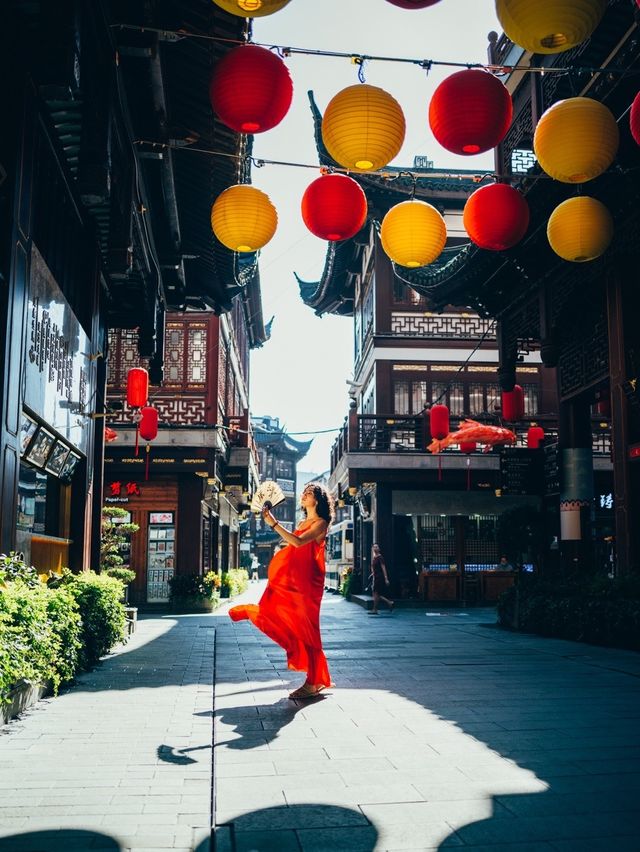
(359, 61)
(426, 65)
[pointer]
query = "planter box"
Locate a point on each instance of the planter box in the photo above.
(192, 603)
(443, 586)
(22, 696)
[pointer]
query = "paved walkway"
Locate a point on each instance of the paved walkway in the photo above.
(443, 732)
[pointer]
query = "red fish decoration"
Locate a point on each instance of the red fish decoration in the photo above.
(471, 430)
(109, 434)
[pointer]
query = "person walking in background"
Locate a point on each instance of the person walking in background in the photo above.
(255, 564)
(289, 609)
(379, 580)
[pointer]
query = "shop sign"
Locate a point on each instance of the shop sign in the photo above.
(59, 371)
(606, 501)
(120, 492)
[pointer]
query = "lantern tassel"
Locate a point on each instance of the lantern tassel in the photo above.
(146, 467)
(137, 434)
(468, 474)
(439, 468)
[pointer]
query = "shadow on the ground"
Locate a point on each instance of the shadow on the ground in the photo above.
(68, 840)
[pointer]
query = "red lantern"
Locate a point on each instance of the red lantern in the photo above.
(634, 116)
(535, 436)
(334, 207)
(439, 421)
(251, 89)
(468, 446)
(496, 217)
(603, 407)
(413, 4)
(513, 404)
(470, 112)
(137, 387)
(148, 431)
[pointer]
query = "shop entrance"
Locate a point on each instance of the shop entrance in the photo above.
(161, 544)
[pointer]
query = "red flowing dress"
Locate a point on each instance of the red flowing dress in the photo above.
(289, 609)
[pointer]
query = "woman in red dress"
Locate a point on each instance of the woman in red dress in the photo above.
(289, 610)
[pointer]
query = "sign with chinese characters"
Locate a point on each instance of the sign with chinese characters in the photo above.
(606, 501)
(59, 376)
(121, 492)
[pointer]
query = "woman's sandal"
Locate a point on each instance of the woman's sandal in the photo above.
(306, 691)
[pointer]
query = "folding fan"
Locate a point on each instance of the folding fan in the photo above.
(268, 495)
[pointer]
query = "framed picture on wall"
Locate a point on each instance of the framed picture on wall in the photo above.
(40, 447)
(28, 428)
(57, 458)
(71, 463)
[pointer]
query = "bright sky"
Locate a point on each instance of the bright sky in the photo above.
(300, 374)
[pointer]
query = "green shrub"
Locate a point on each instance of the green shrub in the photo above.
(188, 586)
(12, 567)
(103, 617)
(233, 582)
(39, 636)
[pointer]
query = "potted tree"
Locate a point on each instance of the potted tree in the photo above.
(115, 538)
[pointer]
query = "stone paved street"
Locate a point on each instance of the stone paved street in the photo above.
(443, 732)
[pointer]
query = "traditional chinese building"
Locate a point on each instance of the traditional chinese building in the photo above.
(104, 224)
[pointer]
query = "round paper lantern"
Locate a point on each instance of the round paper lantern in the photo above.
(363, 128)
(413, 4)
(149, 423)
(137, 387)
(496, 217)
(251, 89)
(468, 447)
(251, 8)
(576, 140)
(580, 229)
(413, 233)
(243, 218)
(513, 404)
(549, 26)
(470, 112)
(334, 207)
(439, 421)
(535, 436)
(634, 117)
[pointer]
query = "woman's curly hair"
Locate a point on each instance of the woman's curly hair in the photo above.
(325, 507)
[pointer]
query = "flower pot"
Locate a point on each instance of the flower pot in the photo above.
(192, 603)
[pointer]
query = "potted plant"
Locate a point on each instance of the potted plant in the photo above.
(194, 592)
(115, 539)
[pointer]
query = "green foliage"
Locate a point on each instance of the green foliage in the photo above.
(124, 575)
(234, 582)
(114, 534)
(101, 610)
(346, 582)
(588, 609)
(39, 635)
(13, 567)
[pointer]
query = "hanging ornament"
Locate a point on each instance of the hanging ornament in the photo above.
(334, 207)
(580, 229)
(549, 26)
(535, 436)
(251, 89)
(576, 140)
(470, 112)
(363, 128)
(634, 117)
(413, 233)
(137, 394)
(110, 435)
(413, 4)
(243, 218)
(439, 428)
(496, 217)
(251, 8)
(148, 431)
(468, 447)
(513, 404)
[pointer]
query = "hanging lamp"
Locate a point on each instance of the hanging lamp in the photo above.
(535, 436)
(496, 217)
(251, 8)
(439, 428)
(413, 233)
(513, 404)
(334, 207)
(363, 128)
(470, 112)
(468, 447)
(580, 229)
(576, 140)
(243, 218)
(137, 394)
(148, 431)
(634, 118)
(250, 89)
(549, 26)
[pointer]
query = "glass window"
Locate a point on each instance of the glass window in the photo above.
(456, 398)
(401, 397)
(530, 400)
(476, 399)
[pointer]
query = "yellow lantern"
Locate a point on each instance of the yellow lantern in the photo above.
(580, 229)
(413, 233)
(251, 8)
(576, 140)
(363, 128)
(243, 218)
(549, 26)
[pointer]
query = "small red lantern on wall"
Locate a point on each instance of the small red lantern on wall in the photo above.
(137, 387)
(334, 207)
(148, 430)
(251, 89)
(470, 112)
(513, 404)
(535, 436)
(496, 217)
(634, 118)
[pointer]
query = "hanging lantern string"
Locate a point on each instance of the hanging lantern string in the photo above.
(361, 58)
(259, 162)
